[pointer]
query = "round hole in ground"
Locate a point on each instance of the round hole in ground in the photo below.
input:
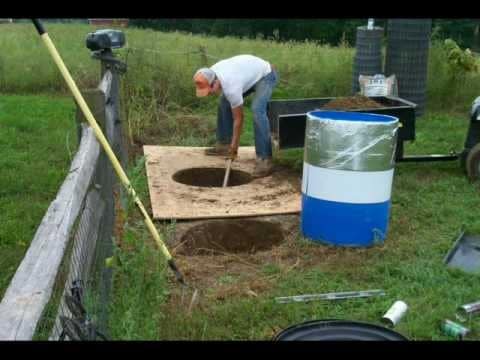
(230, 236)
(211, 177)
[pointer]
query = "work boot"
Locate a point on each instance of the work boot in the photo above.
(218, 150)
(263, 167)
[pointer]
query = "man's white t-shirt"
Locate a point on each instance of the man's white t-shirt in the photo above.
(238, 74)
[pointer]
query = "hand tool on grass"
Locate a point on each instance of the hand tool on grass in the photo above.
(108, 150)
(227, 172)
(465, 253)
(329, 296)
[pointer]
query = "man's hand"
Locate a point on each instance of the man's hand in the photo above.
(232, 152)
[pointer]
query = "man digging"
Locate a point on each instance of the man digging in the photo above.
(234, 79)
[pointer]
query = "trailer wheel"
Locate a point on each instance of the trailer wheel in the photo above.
(472, 163)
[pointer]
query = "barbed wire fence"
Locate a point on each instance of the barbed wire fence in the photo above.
(204, 55)
(173, 80)
(201, 50)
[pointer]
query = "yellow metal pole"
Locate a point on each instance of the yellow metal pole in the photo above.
(106, 146)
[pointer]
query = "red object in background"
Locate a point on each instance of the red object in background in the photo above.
(109, 22)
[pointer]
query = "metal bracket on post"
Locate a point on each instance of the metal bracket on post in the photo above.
(109, 61)
(101, 43)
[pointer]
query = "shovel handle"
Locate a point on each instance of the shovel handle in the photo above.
(227, 173)
(39, 26)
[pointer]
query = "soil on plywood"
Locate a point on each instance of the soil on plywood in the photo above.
(357, 102)
(284, 173)
(279, 176)
(170, 169)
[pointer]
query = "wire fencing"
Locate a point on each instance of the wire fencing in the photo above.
(201, 51)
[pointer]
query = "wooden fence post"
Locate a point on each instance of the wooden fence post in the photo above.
(95, 99)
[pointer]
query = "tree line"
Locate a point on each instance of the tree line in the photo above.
(330, 31)
(465, 32)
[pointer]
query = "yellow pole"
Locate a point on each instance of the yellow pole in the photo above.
(108, 150)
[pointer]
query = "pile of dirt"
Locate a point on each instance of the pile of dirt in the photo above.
(232, 236)
(222, 275)
(357, 102)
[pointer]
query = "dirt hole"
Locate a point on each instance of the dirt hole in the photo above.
(230, 236)
(211, 177)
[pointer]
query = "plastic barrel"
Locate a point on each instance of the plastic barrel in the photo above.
(348, 168)
(338, 330)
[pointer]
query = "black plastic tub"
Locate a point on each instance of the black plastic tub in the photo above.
(288, 118)
(338, 330)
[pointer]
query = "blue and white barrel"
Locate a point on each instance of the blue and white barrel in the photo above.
(348, 167)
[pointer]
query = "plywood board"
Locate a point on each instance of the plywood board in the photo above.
(279, 193)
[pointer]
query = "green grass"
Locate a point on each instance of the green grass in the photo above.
(133, 310)
(161, 65)
(37, 141)
(430, 203)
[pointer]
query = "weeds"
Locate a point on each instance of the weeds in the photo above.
(161, 65)
(429, 201)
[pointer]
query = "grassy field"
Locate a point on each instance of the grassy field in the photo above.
(161, 66)
(430, 202)
(37, 142)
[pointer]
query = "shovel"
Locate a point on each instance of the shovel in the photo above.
(465, 253)
(227, 172)
(106, 146)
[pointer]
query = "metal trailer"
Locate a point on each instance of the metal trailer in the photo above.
(288, 121)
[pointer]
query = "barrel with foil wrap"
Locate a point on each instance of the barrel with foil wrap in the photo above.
(349, 161)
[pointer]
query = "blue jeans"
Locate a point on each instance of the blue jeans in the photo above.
(263, 92)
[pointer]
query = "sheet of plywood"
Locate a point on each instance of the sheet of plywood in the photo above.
(279, 193)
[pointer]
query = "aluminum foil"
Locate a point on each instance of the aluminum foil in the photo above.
(350, 145)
